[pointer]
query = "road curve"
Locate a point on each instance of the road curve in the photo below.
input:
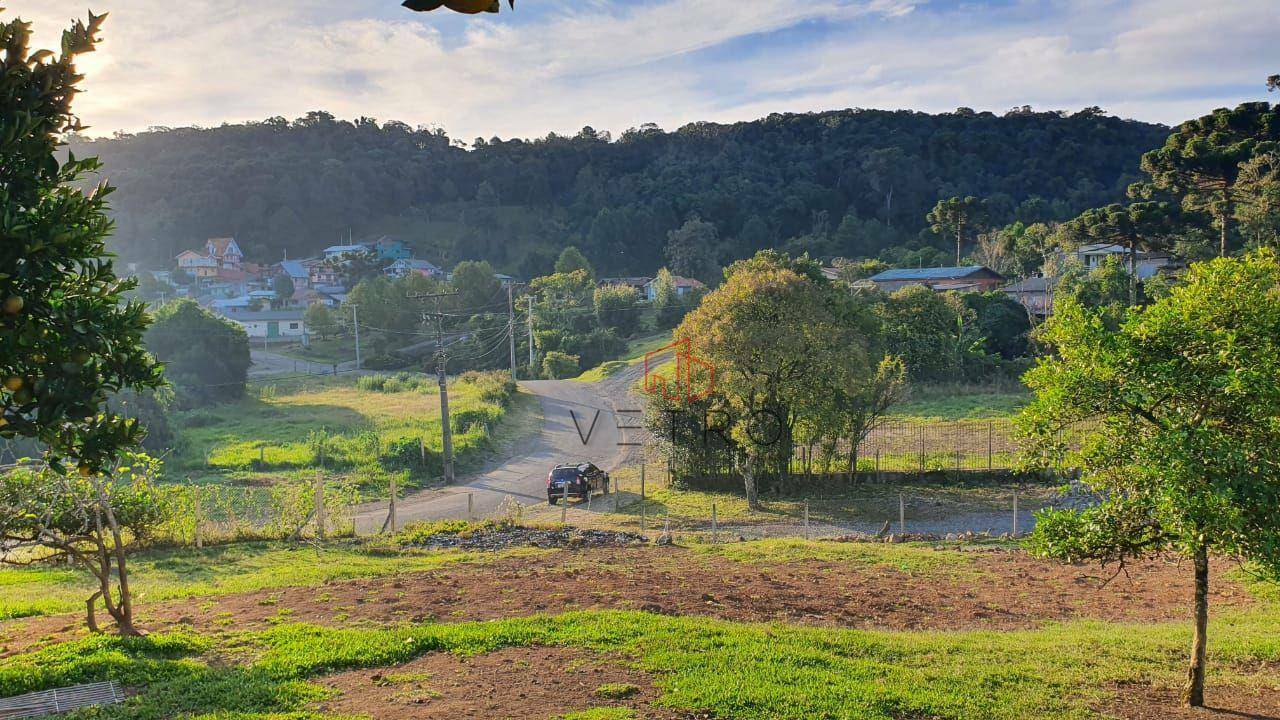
(570, 409)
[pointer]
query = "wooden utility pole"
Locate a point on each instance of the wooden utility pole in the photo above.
(511, 328)
(442, 360)
(532, 372)
(355, 324)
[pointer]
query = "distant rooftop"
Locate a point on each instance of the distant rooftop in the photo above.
(938, 273)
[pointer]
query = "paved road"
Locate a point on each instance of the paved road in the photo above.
(569, 410)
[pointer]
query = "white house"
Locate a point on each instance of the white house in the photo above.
(335, 251)
(271, 325)
(1149, 263)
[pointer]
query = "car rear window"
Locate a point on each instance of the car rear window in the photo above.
(564, 473)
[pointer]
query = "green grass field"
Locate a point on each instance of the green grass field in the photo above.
(288, 431)
(724, 669)
(221, 570)
(962, 402)
(636, 350)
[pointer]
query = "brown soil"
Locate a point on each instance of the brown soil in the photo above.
(1000, 591)
(527, 683)
(1137, 702)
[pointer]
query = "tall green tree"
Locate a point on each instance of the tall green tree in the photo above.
(571, 259)
(478, 288)
(283, 287)
(1201, 160)
(1258, 209)
(617, 307)
(1186, 451)
(67, 339)
(1139, 226)
(959, 218)
(205, 356)
(691, 250)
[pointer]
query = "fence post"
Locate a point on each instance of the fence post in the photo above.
(320, 509)
(564, 503)
(199, 518)
(642, 483)
(1015, 512)
(715, 525)
(990, 432)
(470, 506)
(902, 514)
(422, 450)
(922, 448)
(391, 515)
(806, 519)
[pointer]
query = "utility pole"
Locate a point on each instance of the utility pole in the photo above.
(442, 359)
(355, 322)
(532, 372)
(511, 328)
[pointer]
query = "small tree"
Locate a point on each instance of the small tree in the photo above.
(319, 319)
(1186, 455)
(616, 306)
(206, 356)
(668, 310)
(93, 521)
(283, 287)
(571, 259)
(67, 339)
(960, 218)
(558, 365)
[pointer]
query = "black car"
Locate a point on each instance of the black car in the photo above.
(582, 480)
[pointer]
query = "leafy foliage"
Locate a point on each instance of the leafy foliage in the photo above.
(205, 356)
(874, 174)
(66, 338)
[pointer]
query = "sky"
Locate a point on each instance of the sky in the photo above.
(560, 65)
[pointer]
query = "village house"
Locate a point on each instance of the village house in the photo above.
(296, 270)
(971, 278)
(1033, 293)
(409, 266)
(635, 283)
(683, 286)
(1149, 264)
(271, 325)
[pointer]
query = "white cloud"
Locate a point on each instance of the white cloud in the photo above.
(559, 65)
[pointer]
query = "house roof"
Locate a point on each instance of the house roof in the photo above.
(221, 246)
(266, 315)
(680, 282)
(293, 268)
(344, 249)
(415, 264)
(1028, 285)
(938, 273)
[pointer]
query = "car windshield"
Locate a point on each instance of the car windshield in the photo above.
(564, 473)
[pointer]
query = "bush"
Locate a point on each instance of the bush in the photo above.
(487, 415)
(558, 365)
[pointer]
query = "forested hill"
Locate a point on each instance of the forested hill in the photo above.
(848, 182)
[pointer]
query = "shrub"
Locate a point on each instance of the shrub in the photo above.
(557, 365)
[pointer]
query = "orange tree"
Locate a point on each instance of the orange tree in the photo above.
(66, 338)
(1186, 457)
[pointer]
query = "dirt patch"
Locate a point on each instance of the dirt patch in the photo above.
(1142, 702)
(528, 683)
(998, 590)
(502, 539)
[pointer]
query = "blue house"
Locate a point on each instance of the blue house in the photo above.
(389, 248)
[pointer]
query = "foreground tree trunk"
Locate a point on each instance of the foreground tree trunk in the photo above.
(751, 481)
(1193, 694)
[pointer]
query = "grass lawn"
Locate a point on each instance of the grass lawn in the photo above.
(720, 668)
(292, 429)
(962, 402)
(635, 353)
(331, 350)
(222, 570)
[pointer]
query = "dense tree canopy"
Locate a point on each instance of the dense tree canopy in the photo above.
(205, 356)
(67, 341)
(849, 182)
(1184, 454)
